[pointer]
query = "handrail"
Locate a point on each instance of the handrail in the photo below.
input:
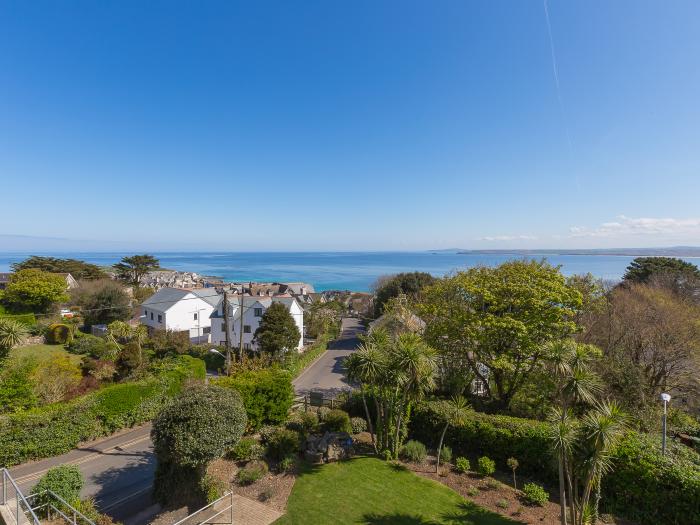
(5, 476)
(183, 520)
(75, 511)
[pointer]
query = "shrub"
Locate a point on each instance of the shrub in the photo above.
(493, 484)
(88, 345)
(462, 464)
(212, 487)
(337, 421)
(287, 463)
(502, 504)
(252, 472)
(198, 426)
(445, 454)
(66, 481)
(295, 363)
(266, 432)
(358, 424)
(246, 449)
(535, 494)
(303, 422)
(267, 394)
(322, 413)
(485, 466)
(283, 443)
(472, 491)
(58, 334)
(414, 451)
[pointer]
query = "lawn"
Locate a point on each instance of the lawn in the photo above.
(373, 492)
(43, 352)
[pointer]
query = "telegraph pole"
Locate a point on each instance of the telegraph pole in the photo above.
(240, 342)
(227, 340)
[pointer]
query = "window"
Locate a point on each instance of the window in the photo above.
(206, 330)
(246, 329)
(257, 312)
(160, 318)
(246, 346)
(223, 327)
(195, 316)
(151, 316)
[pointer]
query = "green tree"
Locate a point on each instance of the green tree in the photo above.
(35, 290)
(102, 302)
(500, 318)
(408, 284)
(78, 269)
(17, 386)
(644, 269)
(277, 332)
(200, 425)
(454, 413)
(131, 269)
(12, 333)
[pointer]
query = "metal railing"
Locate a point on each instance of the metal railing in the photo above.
(69, 513)
(21, 506)
(208, 513)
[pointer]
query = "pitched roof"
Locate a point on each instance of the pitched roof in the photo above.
(166, 298)
(210, 295)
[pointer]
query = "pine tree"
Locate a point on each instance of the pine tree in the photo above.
(277, 331)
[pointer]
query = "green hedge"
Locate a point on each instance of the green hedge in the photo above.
(297, 363)
(57, 428)
(267, 395)
(644, 486)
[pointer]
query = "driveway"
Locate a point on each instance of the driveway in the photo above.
(327, 374)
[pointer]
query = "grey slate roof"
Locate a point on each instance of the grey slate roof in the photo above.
(166, 298)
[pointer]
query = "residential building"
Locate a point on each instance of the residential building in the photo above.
(181, 311)
(253, 309)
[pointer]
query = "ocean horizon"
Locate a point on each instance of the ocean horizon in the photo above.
(355, 271)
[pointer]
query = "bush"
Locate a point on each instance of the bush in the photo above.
(59, 334)
(535, 495)
(303, 422)
(266, 432)
(287, 463)
(88, 345)
(337, 421)
(283, 443)
(252, 472)
(462, 465)
(57, 428)
(485, 466)
(200, 425)
(266, 394)
(472, 491)
(66, 481)
(358, 425)
(414, 451)
(296, 363)
(637, 488)
(502, 504)
(445, 454)
(212, 487)
(322, 413)
(246, 449)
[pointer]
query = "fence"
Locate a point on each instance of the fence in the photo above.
(55, 506)
(315, 399)
(15, 508)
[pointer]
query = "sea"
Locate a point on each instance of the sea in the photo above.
(355, 271)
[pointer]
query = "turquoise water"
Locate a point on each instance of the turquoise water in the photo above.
(341, 270)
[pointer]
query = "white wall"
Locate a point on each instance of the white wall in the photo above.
(181, 318)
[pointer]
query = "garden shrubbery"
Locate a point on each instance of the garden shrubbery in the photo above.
(414, 451)
(267, 394)
(535, 495)
(337, 421)
(643, 485)
(59, 334)
(57, 428)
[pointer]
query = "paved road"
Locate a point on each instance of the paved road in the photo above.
(118, 473)
(327, 373)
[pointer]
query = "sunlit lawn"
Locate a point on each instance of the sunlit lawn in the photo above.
(374, 492)
(42, 352)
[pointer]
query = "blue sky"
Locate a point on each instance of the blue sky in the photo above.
(349, 125)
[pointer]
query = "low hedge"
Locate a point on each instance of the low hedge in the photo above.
(643, 486)
(267, 395)
(57, 428)
(297, 363)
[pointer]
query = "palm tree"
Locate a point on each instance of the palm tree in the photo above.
(12, 333)
(455, 415)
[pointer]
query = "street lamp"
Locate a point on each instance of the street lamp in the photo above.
(215, 351)
(665, 398)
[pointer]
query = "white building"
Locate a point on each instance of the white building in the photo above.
(253, 310)
(181, 311)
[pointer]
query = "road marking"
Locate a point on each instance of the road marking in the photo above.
(125, 498)
(34, 475)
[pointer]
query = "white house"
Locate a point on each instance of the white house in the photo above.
(181, 311)
(253, 310)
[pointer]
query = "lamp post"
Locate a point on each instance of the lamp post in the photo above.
(226, 359)
(665, 398)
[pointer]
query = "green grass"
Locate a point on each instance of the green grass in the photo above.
(43, 352)
(373, 492)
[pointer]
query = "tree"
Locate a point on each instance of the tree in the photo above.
(78, 269)
(643, 269)
(278, 331)
(35, 290)
(454, 413)
(397, 372)
(55, 378)
(200, 425)
(17, 387)
(102, 302)
(12, 333)
(650, 339)
(498, 321)
(66, 481)
(131, 269)
(408, 284)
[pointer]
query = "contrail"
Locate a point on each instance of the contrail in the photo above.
(556, 75)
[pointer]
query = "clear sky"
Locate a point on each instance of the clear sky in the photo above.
(336, 125)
